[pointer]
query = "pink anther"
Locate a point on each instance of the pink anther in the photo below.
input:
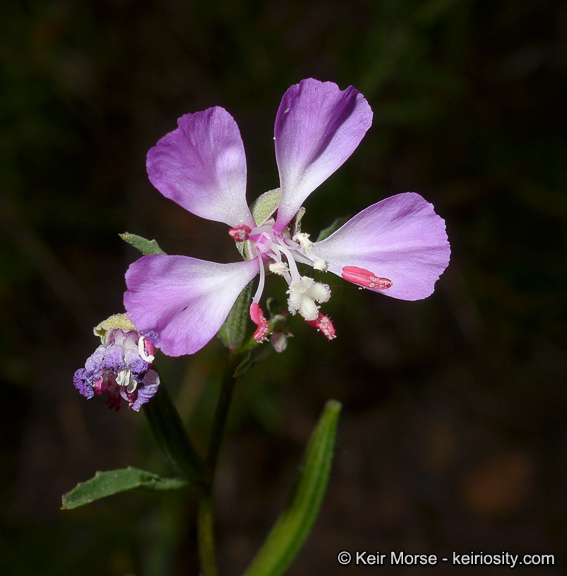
(240, 233)
(365, 278)
(324, 324)
(257, 316)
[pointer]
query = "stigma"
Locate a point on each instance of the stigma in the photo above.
(304, 294)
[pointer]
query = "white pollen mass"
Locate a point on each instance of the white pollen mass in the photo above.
(303, 240)
(321, 265)
(279, 268)
(303, 295)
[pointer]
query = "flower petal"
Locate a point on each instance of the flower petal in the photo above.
(179, 302)
(318, 127)
(202, 166)
(147, 390)
(400, 238)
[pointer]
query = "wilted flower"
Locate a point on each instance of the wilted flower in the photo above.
(120, 366)
(397, 246)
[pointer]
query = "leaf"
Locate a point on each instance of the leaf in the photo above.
(336, 224)
(114, 481)
(295, 523)
(144, 245)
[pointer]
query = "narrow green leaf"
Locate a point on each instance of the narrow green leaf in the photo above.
(296, 521)
(114, 481)
(233, 331)
(144, 245)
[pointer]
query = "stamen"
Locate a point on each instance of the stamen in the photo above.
(291, 262)
(303, 240)
(261, 282)
(280, 268)
(257, 316)
(324, 324)
(145, 356)
(240, 233)
(321, 265)
(365, 278)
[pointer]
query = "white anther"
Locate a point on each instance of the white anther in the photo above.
(279, 268)
(321, 265)
(303, 240)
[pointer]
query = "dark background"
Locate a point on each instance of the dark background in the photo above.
(454, 429)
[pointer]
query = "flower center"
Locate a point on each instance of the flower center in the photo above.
(281, 253)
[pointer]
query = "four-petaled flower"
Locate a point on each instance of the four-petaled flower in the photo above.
(120, 366)
(397, 246)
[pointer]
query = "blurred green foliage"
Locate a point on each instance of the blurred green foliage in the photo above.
(453, 434)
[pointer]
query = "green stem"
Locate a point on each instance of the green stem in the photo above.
(221, 413)
(206, 534)
(205, 513)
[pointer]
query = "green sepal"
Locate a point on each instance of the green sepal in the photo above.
(144, 245)
(265, 205)
(169, 432)
(262, 209)
(114, 322)
(294, 524)
(105, 484)
(251, 353)
(233, 332)
(326, 232)
(296, 222)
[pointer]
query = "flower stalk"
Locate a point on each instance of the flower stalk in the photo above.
(169, 432)
(205, 513)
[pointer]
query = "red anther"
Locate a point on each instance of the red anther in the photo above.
(257, 316)
(324, 324)
(240, 233)
(365, 278)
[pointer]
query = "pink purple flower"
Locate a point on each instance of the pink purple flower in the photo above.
(398, 246)
(120, 367)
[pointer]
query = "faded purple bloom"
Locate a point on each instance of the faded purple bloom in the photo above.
(397, 246)
(120, 366)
